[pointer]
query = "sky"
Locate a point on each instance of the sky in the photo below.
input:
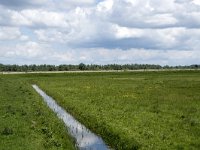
(164, 32)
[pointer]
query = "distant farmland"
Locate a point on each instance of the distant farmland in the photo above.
(129, 110)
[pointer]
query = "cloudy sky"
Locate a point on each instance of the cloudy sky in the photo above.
(165, 32)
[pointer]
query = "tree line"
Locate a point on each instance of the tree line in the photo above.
(82, 66)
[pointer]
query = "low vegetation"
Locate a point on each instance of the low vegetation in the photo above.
(130, 110)
(133, 110)
(25, 120)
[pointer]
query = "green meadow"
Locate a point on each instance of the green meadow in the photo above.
(26, 123)
(129, 110)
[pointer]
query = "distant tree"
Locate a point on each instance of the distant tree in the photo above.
(33, 67)
(195, 66)
(1, 67)
(82, 66)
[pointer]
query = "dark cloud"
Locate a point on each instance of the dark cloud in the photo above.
(182, 1)
(125, 43)
(21, 4)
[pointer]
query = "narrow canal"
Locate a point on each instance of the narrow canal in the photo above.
(85, 139)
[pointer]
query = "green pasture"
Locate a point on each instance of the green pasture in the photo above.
(129, 110)
(26, 123)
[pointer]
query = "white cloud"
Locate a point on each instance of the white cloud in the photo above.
(29, 49)
(38, 53)
(52, 35)
(17, 19)
(41, 17)
(25, 50)
(162, 19)
(107, 31)
(78, 2)
(196, 2)
(179, 38)
(73, 28)
(124, 32)
(105, 5)
(11, 33)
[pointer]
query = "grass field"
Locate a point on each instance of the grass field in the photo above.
(26, 123)
(130, 110)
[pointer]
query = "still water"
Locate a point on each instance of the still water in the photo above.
(85, 139)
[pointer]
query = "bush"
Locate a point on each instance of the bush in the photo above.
(7, 131)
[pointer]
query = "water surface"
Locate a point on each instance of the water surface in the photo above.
(85, 139)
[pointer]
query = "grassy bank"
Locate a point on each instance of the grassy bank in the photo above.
(145, 110)
(25, 120)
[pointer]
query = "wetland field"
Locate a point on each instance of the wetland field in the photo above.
(129, 110)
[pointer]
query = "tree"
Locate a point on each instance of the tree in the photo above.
(1, 67)
(82, 66)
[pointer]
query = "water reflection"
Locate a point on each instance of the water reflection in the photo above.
(85, 139)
